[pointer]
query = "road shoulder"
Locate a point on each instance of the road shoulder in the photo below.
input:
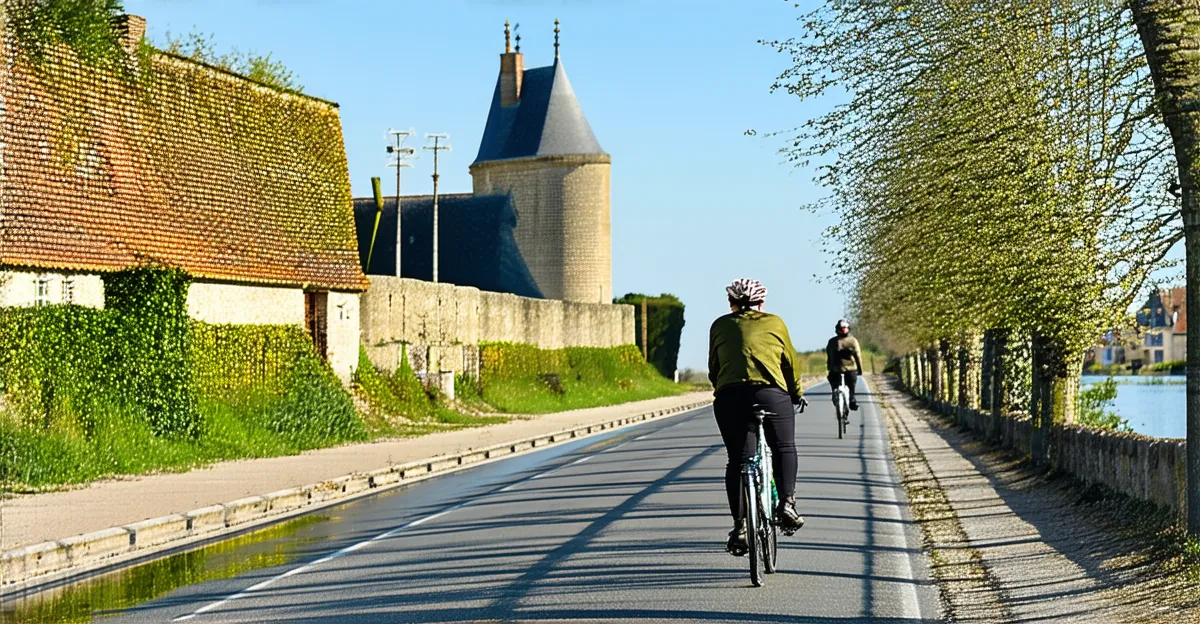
(1009, 544)
(35, 518)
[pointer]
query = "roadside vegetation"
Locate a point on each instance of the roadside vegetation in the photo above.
(522, 379)
(1095, 407)
(1011, 183)
(138, 387)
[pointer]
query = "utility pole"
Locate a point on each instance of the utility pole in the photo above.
(401, 156)
(436, 147)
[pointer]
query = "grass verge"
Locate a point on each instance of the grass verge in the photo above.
(523, 379)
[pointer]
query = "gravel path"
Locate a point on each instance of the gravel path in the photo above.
(1046, 560)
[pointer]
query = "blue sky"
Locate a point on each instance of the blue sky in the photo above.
(670, 87)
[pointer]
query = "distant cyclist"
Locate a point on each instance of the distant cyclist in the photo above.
(843, 357)
(751, 362)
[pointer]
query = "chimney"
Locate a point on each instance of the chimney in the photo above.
(512, 70)
(130, 30)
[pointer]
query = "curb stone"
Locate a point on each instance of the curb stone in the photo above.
(27, 569)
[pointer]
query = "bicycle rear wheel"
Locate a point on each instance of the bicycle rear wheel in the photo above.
(770, 544)
(750, 496)
(841, 419)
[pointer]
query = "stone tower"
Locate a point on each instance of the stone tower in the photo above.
(538, 148)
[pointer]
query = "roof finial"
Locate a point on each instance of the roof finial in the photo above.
(507, 41)
(556, 31)
(517, 29)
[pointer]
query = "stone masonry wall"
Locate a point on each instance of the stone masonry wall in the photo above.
(563, 220)
(1153, 470)
(439, 326)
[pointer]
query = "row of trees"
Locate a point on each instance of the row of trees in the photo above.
(1004, 178)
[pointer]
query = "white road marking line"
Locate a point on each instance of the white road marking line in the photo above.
(354, 547)
(910, 601)
(309, 566)
(643, 437)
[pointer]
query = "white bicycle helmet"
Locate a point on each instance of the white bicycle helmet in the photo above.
(842, 325)
(746, 291)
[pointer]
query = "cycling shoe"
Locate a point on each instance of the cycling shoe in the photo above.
(788, 519)
(737, 544)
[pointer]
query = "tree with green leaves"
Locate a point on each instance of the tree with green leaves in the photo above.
(997, 167)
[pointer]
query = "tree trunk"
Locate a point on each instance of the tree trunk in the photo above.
(987, 359)
(936, 377)
(1000, 359)
(1055, 391)
(1170, 33)
(949, 357)
(1039, 411)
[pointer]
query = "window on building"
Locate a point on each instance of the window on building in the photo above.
(1158, 356)
(41, 296)
(68, 290)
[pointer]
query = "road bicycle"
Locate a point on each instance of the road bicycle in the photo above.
(841, 406)
(759, 500)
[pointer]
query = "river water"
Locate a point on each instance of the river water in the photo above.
(1153, 405)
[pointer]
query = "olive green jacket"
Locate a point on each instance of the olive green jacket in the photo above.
(752, 347)
(842, 355)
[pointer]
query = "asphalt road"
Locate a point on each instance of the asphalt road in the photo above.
(627, 528)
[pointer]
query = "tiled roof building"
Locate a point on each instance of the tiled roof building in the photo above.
(171, 162)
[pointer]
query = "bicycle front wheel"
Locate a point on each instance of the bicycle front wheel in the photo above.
(750, 496)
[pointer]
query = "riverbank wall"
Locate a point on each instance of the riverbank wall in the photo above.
(1153, 470)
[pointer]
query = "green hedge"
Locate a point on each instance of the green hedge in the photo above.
(521, 378)
(135, 387)
(664, 328)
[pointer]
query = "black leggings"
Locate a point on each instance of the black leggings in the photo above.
(734, 406)
(835, 382)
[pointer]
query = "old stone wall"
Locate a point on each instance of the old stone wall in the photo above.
(1148, 469)
(439, 326)
(563, 220)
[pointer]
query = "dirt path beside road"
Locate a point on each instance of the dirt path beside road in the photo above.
(1030, 547)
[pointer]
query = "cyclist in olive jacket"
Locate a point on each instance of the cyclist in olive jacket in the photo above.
(751, 362)
(844, 357)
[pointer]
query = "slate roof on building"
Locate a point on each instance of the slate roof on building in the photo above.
(547, 120)
(189, 166)
(475, 248)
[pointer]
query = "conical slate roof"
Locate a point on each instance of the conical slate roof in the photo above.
(547, 121)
